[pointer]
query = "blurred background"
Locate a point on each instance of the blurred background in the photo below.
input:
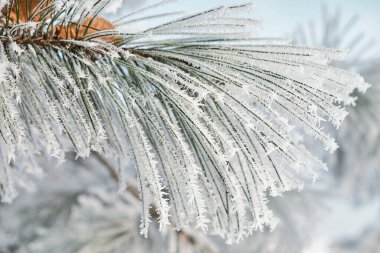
(339, 213)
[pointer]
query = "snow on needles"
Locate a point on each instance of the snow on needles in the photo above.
(208, 112)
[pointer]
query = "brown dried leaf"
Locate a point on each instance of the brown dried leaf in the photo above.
(97, 24)
(27, 7)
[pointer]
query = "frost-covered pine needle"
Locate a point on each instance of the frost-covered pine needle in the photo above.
(210, 115)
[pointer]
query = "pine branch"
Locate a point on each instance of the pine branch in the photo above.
(210, 116)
